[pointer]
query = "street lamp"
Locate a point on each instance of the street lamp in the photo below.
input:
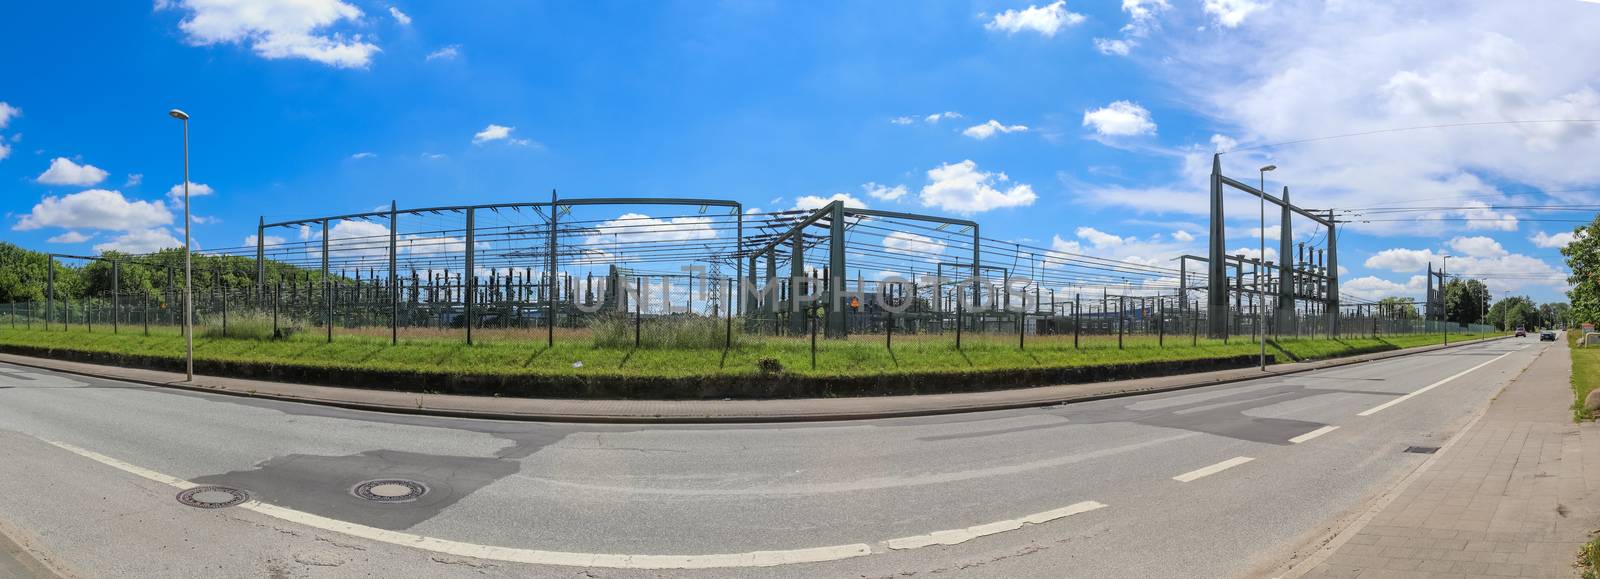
(1261, 259)
(1445, 297)
(188, 292)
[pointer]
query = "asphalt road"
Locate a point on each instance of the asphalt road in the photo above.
(1224, 481)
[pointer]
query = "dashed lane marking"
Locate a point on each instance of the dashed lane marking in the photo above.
(1200, 473)
(1313, 434)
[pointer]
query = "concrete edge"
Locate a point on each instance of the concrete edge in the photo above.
(1201, 380)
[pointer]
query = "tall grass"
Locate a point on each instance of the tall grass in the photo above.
(254, 326)
(678, 331)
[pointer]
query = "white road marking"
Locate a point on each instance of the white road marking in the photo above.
(954, 536)
(1380, 407)
(1213, 469)
(1313, 434)
(609, 560)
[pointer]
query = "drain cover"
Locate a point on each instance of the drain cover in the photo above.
(212, 497)
(1422, 449)
(390, 490)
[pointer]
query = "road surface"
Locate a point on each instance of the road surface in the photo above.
(1233, 480)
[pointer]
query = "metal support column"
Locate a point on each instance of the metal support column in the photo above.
(1333, 275)
(797, 273)
(327, 289)
(471, 284)
(836, 278)
(394, 276)
(1286, 277)
(555, 212)
(1217, 277)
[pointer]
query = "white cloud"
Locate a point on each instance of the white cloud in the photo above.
(364, 155)
(1099, 239)
(986, 130)
(8, 112)
(278, 28)
(1481, 217)
(134, 179)
(1255, 253)
(1477, 247)
(912, 244)
(1404, 260)
(1374, 288)
(936, 117)
(433, 156)
(1231, 13)
(447, 53)
(884, 192)
(70, 237)
(962, 188)
(902, 120)
(495, 132)
(63, 171)
(1120, 119)
(1152, 250)
(140, 241)
(175, 194)
(95, 209)
(1045, 20)
(5, 150)
(401, 17)
(638, 227)
(1183, 236)
(816, 202)
(1556, 241)
(250, 240)
(1114, 46)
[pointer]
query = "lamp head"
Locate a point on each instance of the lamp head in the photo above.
(177, 114)
(1269, 168)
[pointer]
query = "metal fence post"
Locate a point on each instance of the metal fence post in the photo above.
(550, 340)
(728, 341)
(394, 277)
(1077, 317)
(116, 295)
(638, 314)
(1161, 322)
(144, 317)
(470, 285)
(1121, 307)
(327, 288)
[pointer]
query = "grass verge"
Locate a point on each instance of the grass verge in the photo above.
(1585, 375)
(1589, 559)
(522, 365)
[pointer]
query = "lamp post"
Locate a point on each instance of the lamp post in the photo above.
(1446, 298)
(188, 285)
(1261, 260)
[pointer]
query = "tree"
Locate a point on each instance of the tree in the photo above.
(1583, 258)
(1514, 311)
(1398, 308)
(1464, 300)
(1555, 315)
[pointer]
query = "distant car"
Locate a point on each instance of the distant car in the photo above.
(1522, 332)
(1547, 336)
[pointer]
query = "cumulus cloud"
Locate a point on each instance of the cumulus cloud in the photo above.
(884, 192)
(1120, 119)
(641, 227)
(1478, 246)
(95, 209)
(1141, 21)
(250, 240)
(277, 29)
(991, 128)
(8, 112)
(1375, 288)
(936, 117)
(912, 244)
(400, 17)
(1556, 241)
(962, 188)
(63, 171)
(1151, 250)
(69, 237)
(1114, 46)
(1045, 20)
(495, 132)
(1403, 260)
(1183, 236)
(141, 241)
(1231, 13)
(816, 202)
(175, 194)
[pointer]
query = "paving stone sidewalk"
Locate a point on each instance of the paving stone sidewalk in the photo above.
(1514, 496)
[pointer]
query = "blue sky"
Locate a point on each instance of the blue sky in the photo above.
(1104, 116)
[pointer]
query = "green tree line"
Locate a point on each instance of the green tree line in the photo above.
(24, 274)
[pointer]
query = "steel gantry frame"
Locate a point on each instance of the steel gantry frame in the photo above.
(555, 207)
(837, 214)
(1217, 284)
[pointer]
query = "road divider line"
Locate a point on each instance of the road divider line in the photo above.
(1380, 407)
(1313, 434)
(1199, 473)
(607, 560)
(955, 536)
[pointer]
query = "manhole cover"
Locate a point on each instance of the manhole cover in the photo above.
(1422, 449)
(390, 490)
(212, 497)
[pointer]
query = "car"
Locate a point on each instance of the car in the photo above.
(1522, 332)
(1547, 336)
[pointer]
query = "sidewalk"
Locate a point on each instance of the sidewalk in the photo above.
(690, 411)
(1514, 495)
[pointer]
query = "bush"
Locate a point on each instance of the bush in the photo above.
(253, 326)
(769, 366)
(675, 331)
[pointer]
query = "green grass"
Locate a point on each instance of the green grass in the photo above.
(1585, 374)
(1589, 558)
(523, 352)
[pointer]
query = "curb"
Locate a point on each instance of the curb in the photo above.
(743, 417)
